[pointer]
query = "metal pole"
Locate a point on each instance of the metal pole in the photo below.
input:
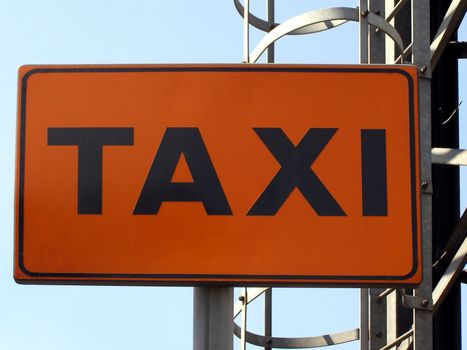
(268, 315)
(271, 19)
(377, 38)
(213, 318)
(373, 51)
(364, 319)
(244, 299)
(246, 32)
(363, 31)
(423, 320)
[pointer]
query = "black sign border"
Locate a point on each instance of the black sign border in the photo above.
(213, 279)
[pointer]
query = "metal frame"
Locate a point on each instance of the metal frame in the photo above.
(312, 22)
(382, 311)
(267, 341)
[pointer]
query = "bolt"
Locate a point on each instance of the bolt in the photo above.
(423, 69)
(269, 341)
(424, 185)
(425, 302)
(365, 13)
(378, 12)
(378, 334)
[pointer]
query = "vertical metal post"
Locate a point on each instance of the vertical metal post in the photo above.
(244, 299)
(392, 310)
(376, 37)
(246, 32)
(270, 13)
(213, 318)
(271, 19)
(389, 44)
(375, 336)
(364, 319)
(423, 319)
(378, 319)
(268, 315)
(363, 31)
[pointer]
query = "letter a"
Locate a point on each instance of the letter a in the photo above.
(205, 188)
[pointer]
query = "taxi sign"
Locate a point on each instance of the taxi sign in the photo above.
(218, 174)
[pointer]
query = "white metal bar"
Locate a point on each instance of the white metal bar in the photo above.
(385, 293)
(246, 32)
(244, 299)
(450, 23)
(398, 340)
(392, 311)
(449, 156)
(302, 21)
(403, 56)
(253, 293)
(300, 342)
(264, 26)
(395, 10)
(450, 276)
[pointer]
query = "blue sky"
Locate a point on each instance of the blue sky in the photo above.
(143, 31)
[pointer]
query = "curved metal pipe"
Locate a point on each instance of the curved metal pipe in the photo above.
(265, 26)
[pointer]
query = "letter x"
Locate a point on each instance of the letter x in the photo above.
(295, 172)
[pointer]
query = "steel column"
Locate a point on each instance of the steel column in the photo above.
(271, 19)
(423, 320)
(246, 32)
(363, 18)
(364, 319)
(213, 318)
(378, 319)
(377, 37)
(268, 315)
(376, 307)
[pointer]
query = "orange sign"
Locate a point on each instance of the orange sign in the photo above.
(235, 174)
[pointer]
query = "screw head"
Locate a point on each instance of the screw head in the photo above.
(378, 334)
(269, 341)
(423, 69)
(424, 185)
(425, 302)
(365, 13)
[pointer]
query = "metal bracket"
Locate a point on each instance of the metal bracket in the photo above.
(416, 302)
